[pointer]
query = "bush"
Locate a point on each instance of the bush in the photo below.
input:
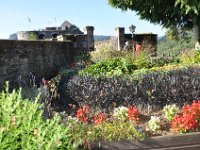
(90, 126)
(190, 57)
(115, 67)
(23, 127)
(189, 118)
(126, 65)
(155, 89)
(105, 51)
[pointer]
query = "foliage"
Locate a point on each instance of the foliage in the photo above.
(190, 57)
(32, 36)
(83, 113)
(170, 111)
(83, 57)
(172, 34)
(114, 67)
(171, 49)
(91, 126)
(143, 61)
(105, 51)
(67, 72)
(123, 66)
(154, 124)
(23, 127)
(178, 84)
(178, 13)
(119, 130)
(189, 119)
(100, 118)
(121, 113)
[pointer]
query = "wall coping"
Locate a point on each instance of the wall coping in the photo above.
(171, 142)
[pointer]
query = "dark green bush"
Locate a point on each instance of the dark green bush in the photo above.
(154, 89)
(22, 125)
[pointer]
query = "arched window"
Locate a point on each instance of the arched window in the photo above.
(54, 35)
(41, 36)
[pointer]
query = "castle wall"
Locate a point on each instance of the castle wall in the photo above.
(148, 41)
(19, 59)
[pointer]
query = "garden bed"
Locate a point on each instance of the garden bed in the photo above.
(172, 142)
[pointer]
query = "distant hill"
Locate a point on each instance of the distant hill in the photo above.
(101, 37)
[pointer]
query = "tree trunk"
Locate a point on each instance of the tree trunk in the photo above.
(196, 30)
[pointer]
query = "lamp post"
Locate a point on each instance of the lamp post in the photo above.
(132, 29)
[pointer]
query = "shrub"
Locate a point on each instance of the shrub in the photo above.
(126, 65)
(155, 89)
(118, 130)
(90, 127)
(114, 67)
(190, 57)
(32, 36)
(105, 51)
(170, 111)
(154, 124)
(189, 119)
(23, 127)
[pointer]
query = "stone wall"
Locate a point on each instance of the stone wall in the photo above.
(147, 40)
(19, 59)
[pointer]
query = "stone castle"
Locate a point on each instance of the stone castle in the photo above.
(48, 33)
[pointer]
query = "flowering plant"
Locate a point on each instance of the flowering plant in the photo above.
(121, 113)
(133, 114)
(189, 119)
(98, 119)
(154, 123)
(83, 113)
(127, 113)
(170, 111)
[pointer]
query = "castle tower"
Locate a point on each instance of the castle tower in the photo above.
(89, 31)
(120, 37)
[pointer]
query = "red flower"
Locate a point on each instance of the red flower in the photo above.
(189, 119)
(45, 82)
(133, 113)
(101, 117)
(83, 113)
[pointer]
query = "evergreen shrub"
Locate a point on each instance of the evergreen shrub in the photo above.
(154, 89)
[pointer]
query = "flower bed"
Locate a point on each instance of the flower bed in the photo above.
(127, 123)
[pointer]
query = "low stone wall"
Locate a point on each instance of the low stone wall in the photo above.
(19, 59)
(175, 142)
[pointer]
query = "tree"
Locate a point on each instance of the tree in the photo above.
(182, 14)
(32, 36)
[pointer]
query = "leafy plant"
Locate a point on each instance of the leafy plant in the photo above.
(154, 124)
(188, 120)
(190, 57)
(22, 125)
(105, 51)
(121, 113)
(116, 130)
(32, 36)
(88, 127)
(170, 111)
(114, 67)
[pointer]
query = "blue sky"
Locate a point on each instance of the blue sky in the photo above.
(14, 16)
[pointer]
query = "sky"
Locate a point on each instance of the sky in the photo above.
(24, 15)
